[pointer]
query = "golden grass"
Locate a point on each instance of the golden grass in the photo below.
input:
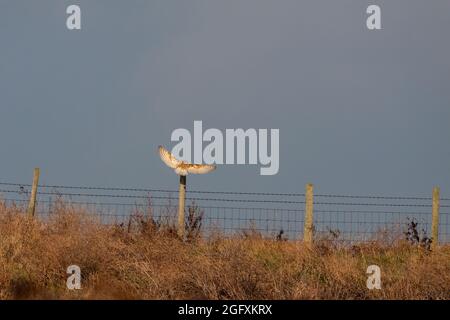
(146, 263)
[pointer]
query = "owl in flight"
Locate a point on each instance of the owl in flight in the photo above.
(182, 168)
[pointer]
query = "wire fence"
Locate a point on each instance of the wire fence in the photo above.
(348, 218)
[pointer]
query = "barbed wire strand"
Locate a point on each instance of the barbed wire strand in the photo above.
(154, 197)
(227, 192)
(155, 190)
(223, 200)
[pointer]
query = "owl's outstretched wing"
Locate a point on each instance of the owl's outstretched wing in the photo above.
(200, 168)
(168, 158)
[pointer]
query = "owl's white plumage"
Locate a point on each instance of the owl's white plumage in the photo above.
(168, 158)
(182, 168)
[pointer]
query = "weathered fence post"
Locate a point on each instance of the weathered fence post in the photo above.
(32, 203)
(308, 224)
(435, 218)
(181, 202)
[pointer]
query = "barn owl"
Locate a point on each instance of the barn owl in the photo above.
(182, 168)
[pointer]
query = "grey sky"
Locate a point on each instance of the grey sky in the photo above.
(358, 111)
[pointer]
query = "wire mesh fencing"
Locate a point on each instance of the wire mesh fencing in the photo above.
(346, 218)
(363, 218)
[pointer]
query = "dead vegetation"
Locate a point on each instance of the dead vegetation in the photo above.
(144, 259)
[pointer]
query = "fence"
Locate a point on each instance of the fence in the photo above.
(347, 218)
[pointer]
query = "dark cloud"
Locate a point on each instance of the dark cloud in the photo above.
(358, 111)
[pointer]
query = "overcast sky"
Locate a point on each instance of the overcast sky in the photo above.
(359, 111)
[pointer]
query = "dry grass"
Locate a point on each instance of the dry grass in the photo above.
(149, 262)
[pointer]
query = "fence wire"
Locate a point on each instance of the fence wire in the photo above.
(347, 218)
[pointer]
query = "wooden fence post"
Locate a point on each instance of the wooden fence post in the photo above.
(435, 218)
(32, 203)
(181, 202)
(308, 224)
